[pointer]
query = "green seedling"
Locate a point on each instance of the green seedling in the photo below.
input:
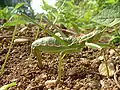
(52, 45)
(6, 87)
(13, 20)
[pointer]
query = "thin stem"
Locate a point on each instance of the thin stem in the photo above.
(37, 53)
(116, 51)
(50, 33)
(60, 66)
(7, 55)
(36, 36)
(30, 56)
(106, 63)
(113, 47)
(5, 87)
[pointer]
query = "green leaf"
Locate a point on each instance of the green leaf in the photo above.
(46, 6)
(115, 39)
(5, 87)
(103, 45)
(50, 33)
(93, 45)
(17, 6)
(14, 20)
(75, 26)
(111, 1)
(108, 16)
(14, 23)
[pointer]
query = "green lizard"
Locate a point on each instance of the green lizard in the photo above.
(62, 45)
(52, 45)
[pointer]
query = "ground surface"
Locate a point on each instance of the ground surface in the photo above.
(81, 69)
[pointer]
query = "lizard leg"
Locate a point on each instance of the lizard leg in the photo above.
(38, 53)
(60, 66)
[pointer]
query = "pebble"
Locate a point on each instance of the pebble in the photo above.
(43, 76)
(50, 83)
(23, 29)
(102, 68)
(102, 83)
(19, 84)
(112, 52)
(20, 40)
(100, 58)
(29, 87)
(72, 72)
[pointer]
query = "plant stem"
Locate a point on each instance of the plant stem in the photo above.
(7, 55)
(30, 56)
(5, 87)
(116, 51)
(106, 63)
(60, 66)
(38, 55)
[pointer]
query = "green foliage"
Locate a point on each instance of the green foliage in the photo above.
(93, 45)
(109, 16)
(7, 12)
(73, 15)
(14, 20)
(47, 31)
(4, 14)
(115, 38)
(6, 87)
(12, 16)
(83, 14)
(61, 15)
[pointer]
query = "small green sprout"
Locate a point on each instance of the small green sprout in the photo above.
(6, 87)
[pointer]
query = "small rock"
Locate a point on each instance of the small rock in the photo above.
(72, 72)
(30, 65)
(43, 76)
(100, 58)
(103, 71)
(58, 34)
(82, 59)
(19, 84)
(102, 82)
(29, 87)
(20, 40)
(82, 88)
(77, 87)
(20, 56)
(50, 83)
(38, 87)
(112, 52)
(13, 80)
(23, 29)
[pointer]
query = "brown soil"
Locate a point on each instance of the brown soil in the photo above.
(80, 69)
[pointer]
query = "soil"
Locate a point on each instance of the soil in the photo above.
(80, 69)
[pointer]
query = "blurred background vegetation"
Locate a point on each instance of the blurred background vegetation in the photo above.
(75, 14)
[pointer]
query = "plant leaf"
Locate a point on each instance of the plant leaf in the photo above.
(108, 16)
(17, 6)
(14, 20)
(5, 87)
(93, 45)
(50, 33)
(103, 45)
